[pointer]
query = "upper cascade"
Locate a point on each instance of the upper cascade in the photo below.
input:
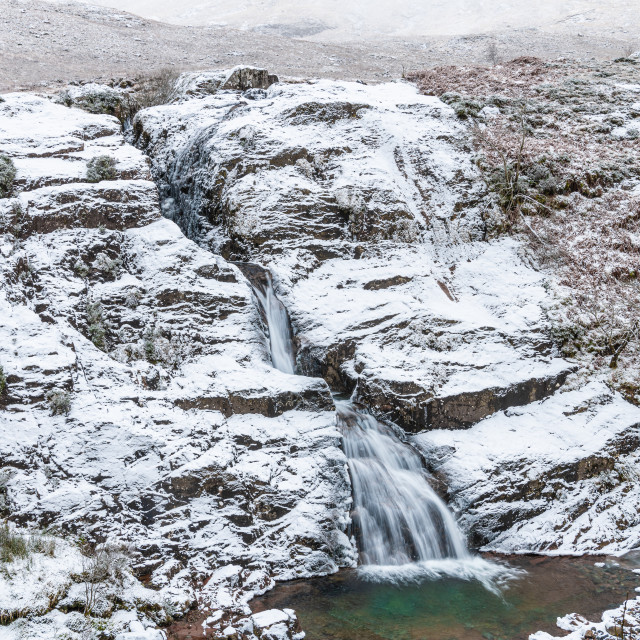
(279, 327)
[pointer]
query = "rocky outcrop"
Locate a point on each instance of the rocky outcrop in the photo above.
(558, 475)
(364, 204)
(244, 78)
(140, 404)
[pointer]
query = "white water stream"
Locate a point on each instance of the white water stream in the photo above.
(279, 327)
(404, 530)
(398, 517)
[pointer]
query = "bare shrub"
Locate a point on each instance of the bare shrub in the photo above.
(152, 91)
(503, 161)
(59, 402)
(103, 566)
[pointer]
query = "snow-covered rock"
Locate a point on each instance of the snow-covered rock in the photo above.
(623, 621)
(176, 436)
(364, 203)
(141, 406)
(556, 476)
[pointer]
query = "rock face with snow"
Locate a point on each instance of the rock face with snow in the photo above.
(140, 405)
(559, 475)
(365, 205)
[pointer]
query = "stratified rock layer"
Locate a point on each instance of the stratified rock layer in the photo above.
(365, 205)
(180, 438)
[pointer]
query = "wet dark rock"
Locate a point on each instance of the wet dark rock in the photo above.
(464, 410)
(245, 78)
(375, 285)
(316, 397)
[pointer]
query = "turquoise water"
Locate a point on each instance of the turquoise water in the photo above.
(345, 607)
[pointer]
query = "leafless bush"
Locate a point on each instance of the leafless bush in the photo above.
(59, 402)
(103, 566)
(504, 154)
(152, 91)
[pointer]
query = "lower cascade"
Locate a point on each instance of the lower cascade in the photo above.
(399, 520)
(397, 516)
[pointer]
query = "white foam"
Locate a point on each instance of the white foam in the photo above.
(493, 575)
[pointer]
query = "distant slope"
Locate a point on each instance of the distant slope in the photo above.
(337, 20)
(53, 43)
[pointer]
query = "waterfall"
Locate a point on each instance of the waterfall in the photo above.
(398, 517)
(278, 325)
(404, 530)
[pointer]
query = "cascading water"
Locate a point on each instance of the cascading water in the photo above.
(403, 529)
(398, 517)
(278, 325)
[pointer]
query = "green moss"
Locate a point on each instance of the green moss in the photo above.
(101, 168)
(97, 325)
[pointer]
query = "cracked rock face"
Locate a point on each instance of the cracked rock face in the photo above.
(559, 475)
(365, 205)
(140, 402)
(179, 437)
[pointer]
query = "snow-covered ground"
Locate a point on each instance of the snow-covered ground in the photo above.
(367, 19)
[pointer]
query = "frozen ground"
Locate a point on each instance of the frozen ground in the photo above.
(332, 20)
(51, 44)
(180, 439)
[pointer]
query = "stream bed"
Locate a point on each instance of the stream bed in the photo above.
(346, 607)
